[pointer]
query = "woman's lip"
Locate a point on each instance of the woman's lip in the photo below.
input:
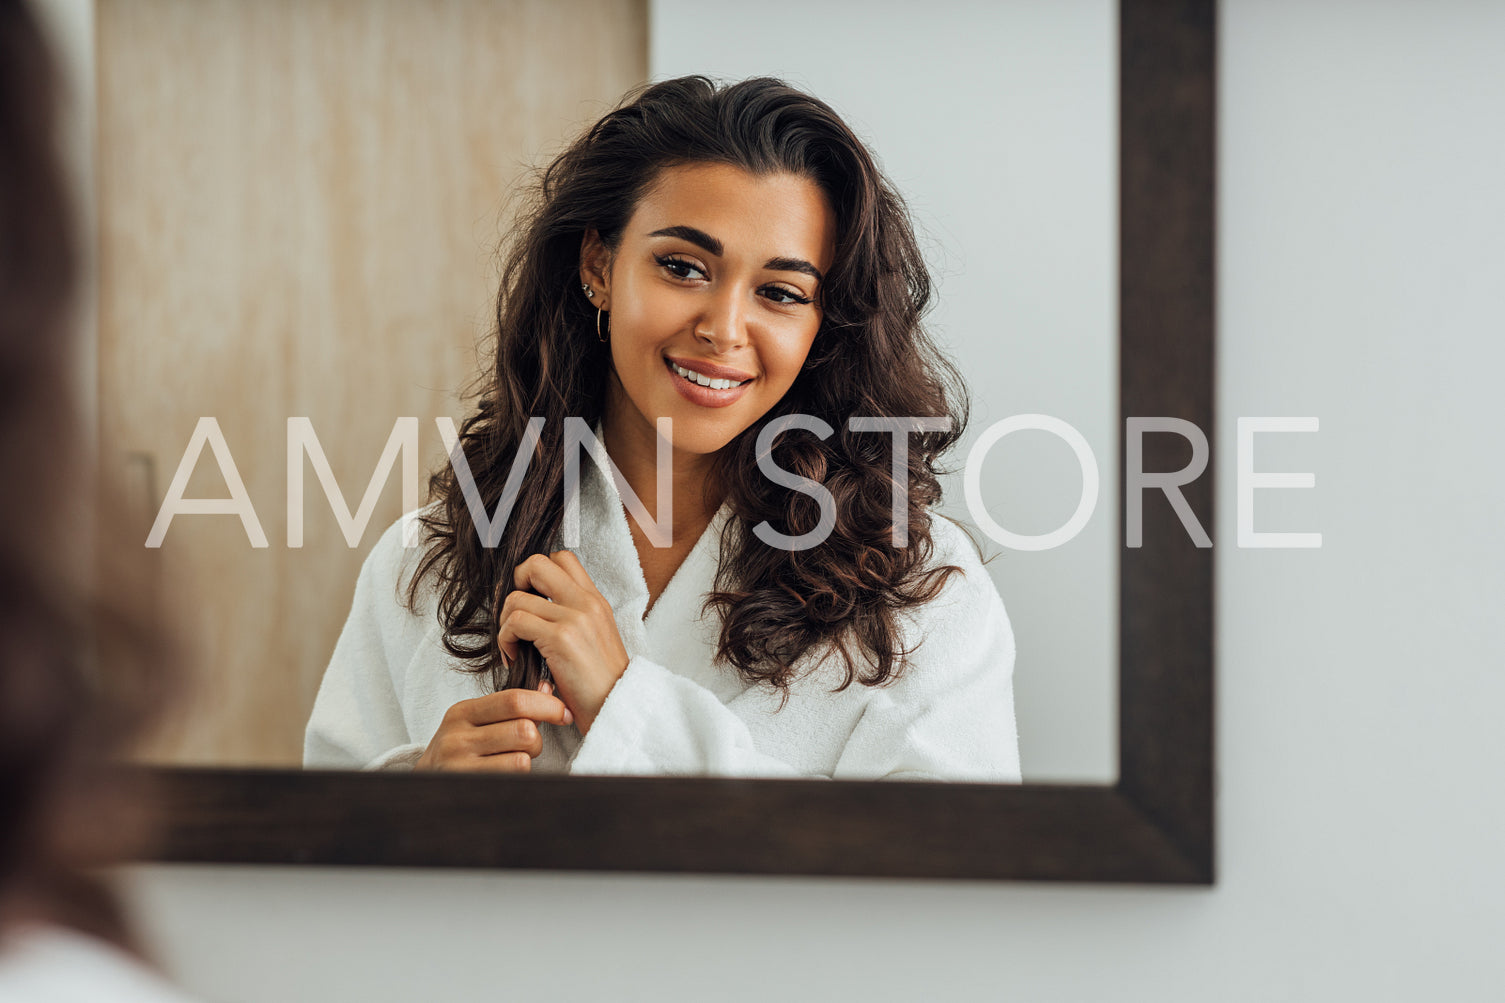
(713, 371)
(704, 396)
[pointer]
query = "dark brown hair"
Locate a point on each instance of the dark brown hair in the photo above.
(81, 670)
(871, 357)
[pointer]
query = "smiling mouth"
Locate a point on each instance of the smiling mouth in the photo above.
(704, 381)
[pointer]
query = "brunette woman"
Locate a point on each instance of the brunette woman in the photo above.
(712, 311)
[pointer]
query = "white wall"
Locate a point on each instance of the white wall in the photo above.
(1361, 263)
(997, 122)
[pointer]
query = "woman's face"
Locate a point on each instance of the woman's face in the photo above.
(718, 272)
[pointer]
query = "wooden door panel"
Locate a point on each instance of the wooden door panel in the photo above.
(299, 205)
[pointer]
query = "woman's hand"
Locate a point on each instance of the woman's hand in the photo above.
(572, 626)
(497, 732)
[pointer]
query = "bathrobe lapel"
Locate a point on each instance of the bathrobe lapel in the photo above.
(674, 633)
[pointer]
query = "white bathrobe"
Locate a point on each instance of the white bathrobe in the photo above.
(950, 714)
(44, 963)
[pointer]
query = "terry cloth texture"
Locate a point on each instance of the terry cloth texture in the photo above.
(949, 716)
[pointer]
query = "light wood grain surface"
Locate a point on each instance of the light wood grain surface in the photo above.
(299, 205)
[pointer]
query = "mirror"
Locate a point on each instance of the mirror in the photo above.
(300, 183)
(299, 210)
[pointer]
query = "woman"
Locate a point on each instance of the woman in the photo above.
(729, 259)
(64, 718)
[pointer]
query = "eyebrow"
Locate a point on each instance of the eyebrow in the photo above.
(711, 245)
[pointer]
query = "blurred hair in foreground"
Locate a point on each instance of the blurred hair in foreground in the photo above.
(84, 667)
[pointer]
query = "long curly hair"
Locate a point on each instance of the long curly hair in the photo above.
(871, 357)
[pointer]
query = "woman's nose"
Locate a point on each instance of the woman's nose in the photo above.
(723, 326)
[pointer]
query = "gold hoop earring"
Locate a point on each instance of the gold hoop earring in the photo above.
(599, 337)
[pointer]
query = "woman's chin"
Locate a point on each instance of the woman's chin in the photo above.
(699, 446)
(695, 431)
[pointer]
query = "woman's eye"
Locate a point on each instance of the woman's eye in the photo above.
(680, 268)
(781, 295)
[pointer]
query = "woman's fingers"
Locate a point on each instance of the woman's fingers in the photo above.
(576, 634)
(537, 585)
(506, 705)
(555, 603)
(541, 574)
(505, 762)
(519, 625)
(571, 565)
(498, 732)
(525, 602)
(537, 605)
(520, 735)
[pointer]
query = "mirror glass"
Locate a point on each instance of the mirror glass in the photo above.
(998, 123)
(298, 215)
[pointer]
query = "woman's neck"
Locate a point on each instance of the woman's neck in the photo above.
(633, 447)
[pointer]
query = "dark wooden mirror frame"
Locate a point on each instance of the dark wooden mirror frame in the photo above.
(1154, 825)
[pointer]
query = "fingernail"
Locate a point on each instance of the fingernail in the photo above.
(568, 717)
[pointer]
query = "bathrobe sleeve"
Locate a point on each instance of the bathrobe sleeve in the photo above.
(357, 720)
(950, 715)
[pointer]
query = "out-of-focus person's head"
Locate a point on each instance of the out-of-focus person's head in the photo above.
(80, 666)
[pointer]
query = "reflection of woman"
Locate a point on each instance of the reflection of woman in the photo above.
(735, 236)
(63, 811)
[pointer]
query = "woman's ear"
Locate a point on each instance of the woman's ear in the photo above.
(595, 269)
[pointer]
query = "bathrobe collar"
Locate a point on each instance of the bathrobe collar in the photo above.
(599, 523)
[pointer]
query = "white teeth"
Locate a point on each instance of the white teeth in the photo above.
(705, 381)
